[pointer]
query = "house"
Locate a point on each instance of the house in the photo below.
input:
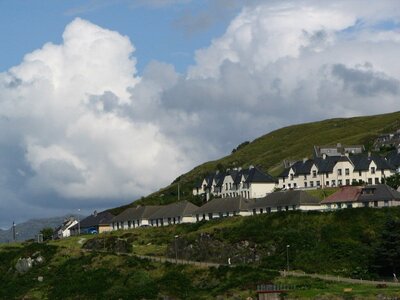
(246, 183)
(95, 223)
(64, 230)
(223, 207)
(174, 213)
(332, 171)
(393, 158)
(337, 150)
(134, 217)
(379, 195)
(284, 201)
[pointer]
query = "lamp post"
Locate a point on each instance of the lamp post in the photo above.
(287, 256)
(176, 249)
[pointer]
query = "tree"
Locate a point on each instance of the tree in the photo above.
(47, 233)
(393, 181)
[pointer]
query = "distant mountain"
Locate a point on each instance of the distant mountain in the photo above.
(29, 229)
(268, 151)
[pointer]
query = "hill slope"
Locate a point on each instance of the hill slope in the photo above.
(292, 142)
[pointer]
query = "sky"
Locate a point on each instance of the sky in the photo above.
(102, 102)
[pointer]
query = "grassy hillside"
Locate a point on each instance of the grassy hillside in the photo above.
(354, 243)
(291, 143)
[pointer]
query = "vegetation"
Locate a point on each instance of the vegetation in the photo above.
(358, 243)
(288, 143)
(47, 233)
(393, 181)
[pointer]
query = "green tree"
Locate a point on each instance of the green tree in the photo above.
(393, 181)
(47, 233)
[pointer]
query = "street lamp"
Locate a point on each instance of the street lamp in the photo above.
(287, 256)
(176, 249)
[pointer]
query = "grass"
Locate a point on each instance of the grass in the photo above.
(268, 151)
(311, 288)
(322, 193)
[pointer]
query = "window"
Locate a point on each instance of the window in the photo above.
(283, 186)
(311, 183)
(295, 185)
(347, 171)
(339, 205)
(327, 175)
(339, 182)
(327, 183)
(226, 186)
(314, 174)
(339, 172)
(369, 180)
(366, 204)
(305, 183)
(376, 180)
(318, 183)
(197, 218)
(254, 211)
(268, 209)
(221, 215)
(305, 177)
(347, 181)
(279, 208)
(375, 203)
(333, 183)
(129, 224)
(294, 207)
(386, 203)
(289, 185)
(210, 216)
(359, 173)
(261, 210)
(291, 176)
(286, 208)
(372, 170)
(283, 180)
(349, 205)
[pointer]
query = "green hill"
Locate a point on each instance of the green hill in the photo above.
(268, 151)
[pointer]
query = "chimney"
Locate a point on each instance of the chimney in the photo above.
(324, 156)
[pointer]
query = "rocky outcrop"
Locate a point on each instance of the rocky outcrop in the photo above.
(206, 247)
(110, 244)
(23, 265)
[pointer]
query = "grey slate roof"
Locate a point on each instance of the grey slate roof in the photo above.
(136, 213)
(380, 192)
(255, 175)
(394, 158)
(223, 205)
(102, 218)
(285, 198)
(361, 162)
(177, 209)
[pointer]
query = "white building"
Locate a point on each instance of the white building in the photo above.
(248, 183)
(65, 229)
(174, 213)
(332, 171)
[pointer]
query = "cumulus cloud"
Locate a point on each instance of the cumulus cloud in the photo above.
(78, 125)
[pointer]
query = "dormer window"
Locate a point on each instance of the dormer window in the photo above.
(291, 176)
(372, 170)
(314, 173)
(339, 172)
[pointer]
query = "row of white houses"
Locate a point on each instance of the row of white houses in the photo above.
(319, 172)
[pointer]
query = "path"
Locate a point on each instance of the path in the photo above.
(282, 273)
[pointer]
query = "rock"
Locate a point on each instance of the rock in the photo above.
(23, 265)
(40, 278)
(39, 260)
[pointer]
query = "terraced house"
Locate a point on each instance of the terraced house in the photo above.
(332, 171)
(246, 183)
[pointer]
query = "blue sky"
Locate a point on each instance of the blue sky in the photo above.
(86, 122)
(158, 32)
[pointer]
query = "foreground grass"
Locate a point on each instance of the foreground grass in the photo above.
(307, 288)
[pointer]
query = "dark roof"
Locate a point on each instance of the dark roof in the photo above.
(256, 175)
(378, 192)
(218, 205)
(219, 179)
(136, 213)
(285, 198)
(102, 218)
(299, 167)
(326, 165)
(394, 158)
(361, 162)
(177, 209)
